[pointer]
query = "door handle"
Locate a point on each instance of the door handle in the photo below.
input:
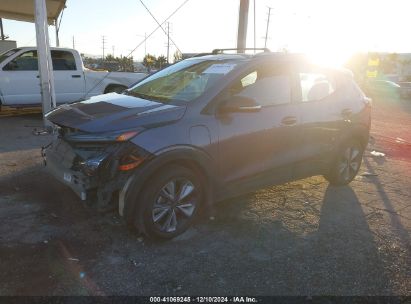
(289, 121)
(346, 112)
(76, 76)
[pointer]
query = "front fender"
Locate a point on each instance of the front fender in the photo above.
(189, 156)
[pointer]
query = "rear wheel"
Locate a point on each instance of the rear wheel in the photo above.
(347, 163)
(170, 202)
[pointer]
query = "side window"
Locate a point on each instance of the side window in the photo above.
(316, 86)
(63, 61)
(25, 62)
(267, 86)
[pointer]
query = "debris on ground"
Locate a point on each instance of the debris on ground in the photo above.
(368, 174)
(377, 154)
(73, 259)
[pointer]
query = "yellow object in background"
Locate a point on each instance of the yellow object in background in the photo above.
(373, 62)
(372, 74)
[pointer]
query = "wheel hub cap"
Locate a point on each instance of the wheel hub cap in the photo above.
(175, 204)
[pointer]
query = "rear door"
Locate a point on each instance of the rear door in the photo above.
(322, 115)
(68, 77)
(253, 145)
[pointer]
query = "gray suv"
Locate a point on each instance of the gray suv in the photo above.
(205, 129)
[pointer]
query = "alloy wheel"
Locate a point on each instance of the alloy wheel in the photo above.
(349, 163)
(174, 205)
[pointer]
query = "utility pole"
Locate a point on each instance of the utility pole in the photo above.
(254, 28)
(73, 43)
(268, 22)
(104, 44)
(145, 44)
(57, 23)
(168, 41)
(113, 50)
(242, 25)
(1, 29)
(57, 35)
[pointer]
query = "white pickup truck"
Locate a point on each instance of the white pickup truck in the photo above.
(20, 83)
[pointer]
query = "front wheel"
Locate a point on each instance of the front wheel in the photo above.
(346, 164)
(170, 201)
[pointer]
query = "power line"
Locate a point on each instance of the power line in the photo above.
(172, 14)
(160, 25)
(168, 41)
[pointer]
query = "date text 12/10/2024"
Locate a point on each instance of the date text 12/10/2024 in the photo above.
(203, 300)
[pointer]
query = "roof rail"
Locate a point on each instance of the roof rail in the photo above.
(220, 51)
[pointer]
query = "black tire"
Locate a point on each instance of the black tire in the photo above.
(346, 164)
(165, 213)
(115, 89)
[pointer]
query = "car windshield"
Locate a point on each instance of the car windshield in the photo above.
(7, 54)
(184, 81)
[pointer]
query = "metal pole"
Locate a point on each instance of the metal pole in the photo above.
(266, 31)
(145, 44)
(168, 41)
(254, 28)
(242, 25)
(44, 60)
(1, 28)
(57, 33)
(104, 45)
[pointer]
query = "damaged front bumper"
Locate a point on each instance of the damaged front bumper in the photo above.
(93, 171)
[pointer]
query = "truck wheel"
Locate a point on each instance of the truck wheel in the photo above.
(115, 89)
(169, 203)
(347, 163)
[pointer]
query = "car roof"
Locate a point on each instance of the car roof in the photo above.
(270, 56)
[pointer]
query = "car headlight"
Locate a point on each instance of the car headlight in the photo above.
(117, 136)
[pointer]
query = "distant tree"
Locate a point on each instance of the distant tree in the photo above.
(149, 61)
(110, 57)
(161, 61)
(126, 64)
(177, 56)
(389, 63)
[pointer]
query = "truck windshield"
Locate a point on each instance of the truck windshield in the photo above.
(7, 54)
(184, 81)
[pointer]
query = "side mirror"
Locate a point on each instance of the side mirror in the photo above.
(239, 104)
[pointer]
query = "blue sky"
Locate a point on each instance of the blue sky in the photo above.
(329, 30)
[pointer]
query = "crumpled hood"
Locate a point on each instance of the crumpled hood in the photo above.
(112, 112)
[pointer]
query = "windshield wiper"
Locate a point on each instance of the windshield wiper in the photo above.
(146, 96)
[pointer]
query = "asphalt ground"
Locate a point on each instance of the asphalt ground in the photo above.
(301, 238)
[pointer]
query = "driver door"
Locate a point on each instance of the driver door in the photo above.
(259, 147)
(20, 82)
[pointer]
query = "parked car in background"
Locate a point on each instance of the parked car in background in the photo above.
(383, 89)
(206, 129)
(20, 84)
(405, 90)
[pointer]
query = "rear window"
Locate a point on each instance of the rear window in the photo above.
(316, 86)
(63, 61)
